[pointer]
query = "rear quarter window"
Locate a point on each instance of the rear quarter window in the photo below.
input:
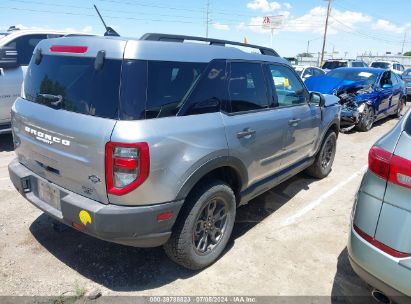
(154, 89)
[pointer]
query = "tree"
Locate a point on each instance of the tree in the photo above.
(304, 55)
(407, 53)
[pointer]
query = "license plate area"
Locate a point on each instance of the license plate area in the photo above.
(49, 194)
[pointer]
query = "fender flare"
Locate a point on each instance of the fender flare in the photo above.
(215, 163)
(335, 121)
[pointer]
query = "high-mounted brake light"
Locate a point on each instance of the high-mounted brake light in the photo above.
(390, 167)
(68, 49)
(381, 246)
(127, 166)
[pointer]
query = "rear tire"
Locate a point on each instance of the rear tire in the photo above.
(204, 225)
(367, 119)
(325, 157)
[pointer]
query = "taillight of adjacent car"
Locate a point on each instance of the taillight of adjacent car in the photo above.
(390, 167)
(127, 166)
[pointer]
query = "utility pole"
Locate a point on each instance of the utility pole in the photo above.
(207, 17)
(403, 42)
(325, 30)
(308, 46)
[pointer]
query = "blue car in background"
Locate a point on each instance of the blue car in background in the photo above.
(366, 94)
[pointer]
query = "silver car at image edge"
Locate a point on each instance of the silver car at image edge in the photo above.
(379, 245)
(149, 142)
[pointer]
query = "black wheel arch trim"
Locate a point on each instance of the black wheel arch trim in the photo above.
(213, 164)
(336, 122)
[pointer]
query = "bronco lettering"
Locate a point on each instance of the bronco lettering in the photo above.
(46, 138)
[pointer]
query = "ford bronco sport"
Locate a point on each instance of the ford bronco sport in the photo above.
(156, 141)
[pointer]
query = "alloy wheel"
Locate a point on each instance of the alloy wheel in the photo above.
(327, 153)
(210, 226)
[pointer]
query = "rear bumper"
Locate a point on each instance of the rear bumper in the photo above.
(133, 226)
(379, 270)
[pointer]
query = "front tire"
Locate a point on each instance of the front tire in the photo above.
(204, 225)
(400, 108)
(367, 119)
(325, 157)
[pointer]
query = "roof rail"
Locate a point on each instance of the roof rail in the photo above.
(182, 38)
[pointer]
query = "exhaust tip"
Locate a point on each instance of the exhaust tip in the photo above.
(380, 297)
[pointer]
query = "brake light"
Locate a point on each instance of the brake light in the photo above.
(379, 161)
(390, 167)
(127, 166)
(379, 245)
(68, 49)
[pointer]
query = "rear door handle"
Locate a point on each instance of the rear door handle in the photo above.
(246, 133)
(294, 122)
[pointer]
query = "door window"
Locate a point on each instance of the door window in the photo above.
(287, 87)
(385, 79)
(246, 86)
(394, 80)
(25, 46)
(210, 92)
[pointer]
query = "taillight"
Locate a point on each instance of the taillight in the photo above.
(390, 167)
(127, 166)
(68, 49)
(400, 172)
(379, 161)
(380, 245)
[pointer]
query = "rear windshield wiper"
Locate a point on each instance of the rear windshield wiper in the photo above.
(55, 100)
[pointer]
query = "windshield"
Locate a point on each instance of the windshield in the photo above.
(380, 65)
(407, 73)
(331, 65)
(2, 35)
(299, 70)
(369, 78)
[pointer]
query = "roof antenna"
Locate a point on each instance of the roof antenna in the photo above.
(109, 30)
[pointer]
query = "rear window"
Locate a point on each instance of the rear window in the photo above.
(357, 64)
(331, 65)
(380, 65)
(73, 84)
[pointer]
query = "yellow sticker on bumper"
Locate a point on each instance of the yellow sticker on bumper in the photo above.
(85, 217)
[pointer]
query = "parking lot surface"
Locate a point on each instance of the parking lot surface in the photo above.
(289, 241)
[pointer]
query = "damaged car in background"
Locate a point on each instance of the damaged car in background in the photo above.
(366, 94)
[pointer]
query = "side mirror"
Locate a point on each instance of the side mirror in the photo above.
(387, 86)
(317, 99)
(306, 76)
(8, 58)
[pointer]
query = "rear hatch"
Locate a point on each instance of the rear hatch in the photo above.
(394, 223)
(68, 110)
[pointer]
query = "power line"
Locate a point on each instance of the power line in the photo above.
(366, 35)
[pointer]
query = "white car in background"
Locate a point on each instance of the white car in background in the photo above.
(394, 66)
(307, 71)
(16, 49)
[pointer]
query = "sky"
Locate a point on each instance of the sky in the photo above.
(355, 26)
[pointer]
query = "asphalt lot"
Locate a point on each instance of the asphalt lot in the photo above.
(289, 241)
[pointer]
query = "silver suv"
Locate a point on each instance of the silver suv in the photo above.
(155, 142)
